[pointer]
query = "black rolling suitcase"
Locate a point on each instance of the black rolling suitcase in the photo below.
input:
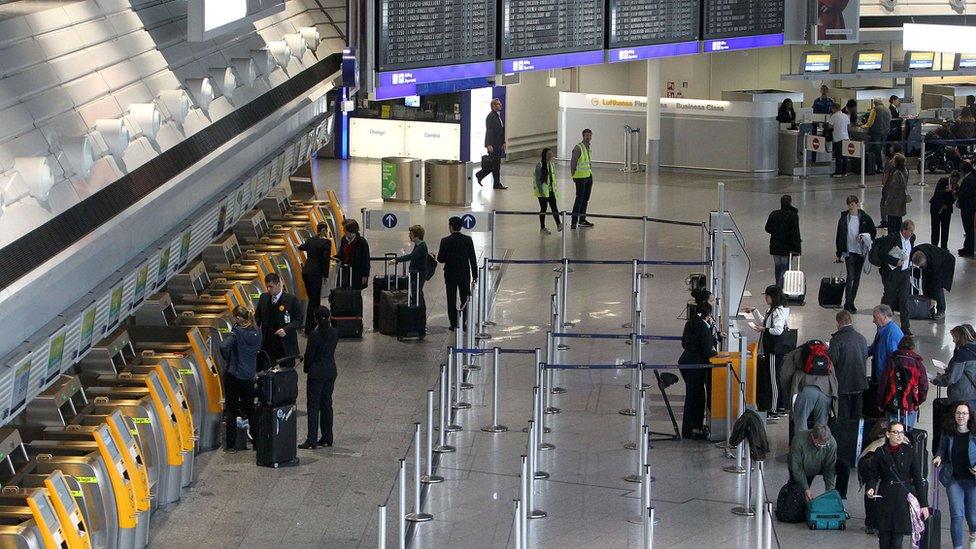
(277, 386)
(390, 301)
(347, 306)
(386, 282)
(932, 535)
(919, 306)
(276, 443)
(831, 294)
(940, 407)
(411, 317)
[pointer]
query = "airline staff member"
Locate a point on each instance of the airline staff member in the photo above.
(279, 316)
(582, 172)
(315, 270)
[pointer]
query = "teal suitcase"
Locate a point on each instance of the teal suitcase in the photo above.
(826, 512)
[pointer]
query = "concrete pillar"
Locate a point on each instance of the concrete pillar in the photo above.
(653, 122)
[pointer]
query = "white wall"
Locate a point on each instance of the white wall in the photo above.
(531, 111)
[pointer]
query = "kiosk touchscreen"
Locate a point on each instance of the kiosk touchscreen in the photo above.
(868, 61)
(816, 62)
(965, 61)
(920, 60)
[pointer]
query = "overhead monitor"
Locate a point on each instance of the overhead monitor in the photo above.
(207, 19)
(868, 61)
(635, 23)
(920, 60)
(548, 34)
(816, 62)
(732, 18)
(965, 61)
(411, 101)
(413, 35)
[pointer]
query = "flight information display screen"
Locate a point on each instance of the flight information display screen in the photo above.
(543, 27)
(732, 18)
(430, 33)
(648, 22)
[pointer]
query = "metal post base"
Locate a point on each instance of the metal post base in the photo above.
(431, 479)
(630, 445)
(557, 391)
(465, 386)
(644, 386)
(547, 446)
(544, 430)
(540, 475)
(640, 520)
(494, 428)
(482, 335)
(537, 514)
(744, 511)
(461, 406)
(627, 412)
(637, 479)
(446, 449)
(453, 429)
(553, 410)
(562, 347)
(734, 469)
(419, 517)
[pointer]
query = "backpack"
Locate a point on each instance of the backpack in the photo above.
(815, 358)
(876, 254)
(902, 391)
(791, 503)
(431, 266)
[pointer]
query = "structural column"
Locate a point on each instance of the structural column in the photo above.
(653, 122)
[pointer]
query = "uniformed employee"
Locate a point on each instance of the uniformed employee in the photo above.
(582, 172)
(279, 316)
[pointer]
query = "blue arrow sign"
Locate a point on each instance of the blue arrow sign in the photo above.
(389, 221)
(468, 221)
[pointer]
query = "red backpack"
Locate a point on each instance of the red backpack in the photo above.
(815, 358)
(903, 392)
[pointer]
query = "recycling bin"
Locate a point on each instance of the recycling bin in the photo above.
(401, 179)
(449, 182)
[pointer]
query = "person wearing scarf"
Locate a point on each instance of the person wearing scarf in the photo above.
(894, 480)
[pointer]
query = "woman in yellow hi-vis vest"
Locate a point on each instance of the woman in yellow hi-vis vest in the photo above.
(544, 188)
(583, 177)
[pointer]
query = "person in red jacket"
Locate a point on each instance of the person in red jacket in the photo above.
(904, 385)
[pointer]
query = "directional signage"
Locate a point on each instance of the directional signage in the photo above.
(853, 149)
(387, 220)
(474, 222)
(816, 143)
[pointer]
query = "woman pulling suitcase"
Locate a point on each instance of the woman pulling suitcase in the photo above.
(898, 488)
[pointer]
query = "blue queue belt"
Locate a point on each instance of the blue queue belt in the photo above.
(491, 350)
(650, 337)
(665, 262)
(630, 366)
(526, 261)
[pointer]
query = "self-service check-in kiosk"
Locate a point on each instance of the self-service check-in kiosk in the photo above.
(65, 501)
(225, 255)
(28, 519)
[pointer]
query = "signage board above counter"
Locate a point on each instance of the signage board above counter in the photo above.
(532, 28)
(640, 23)
(433, 33)
(736, 18)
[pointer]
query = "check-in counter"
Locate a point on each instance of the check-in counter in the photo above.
(766, 95)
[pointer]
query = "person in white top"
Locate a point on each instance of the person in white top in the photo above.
(839, 124)
(775, 326)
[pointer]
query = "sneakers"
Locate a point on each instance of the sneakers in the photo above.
(559, 227)
(307, 445)
(544, 230)
(585, 223)
(501, 187)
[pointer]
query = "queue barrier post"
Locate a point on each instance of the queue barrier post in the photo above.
(535, 434)
(492, 228)
(728, 411)
(445, 405)
(564, 238)
(381, 532)
(417, 515)
(516, 524)
(469, 331)
(641, 403)
(524, 489)
(429, 476)
(760, 504)
(556, 323)
(645, 479)
(532, 513)
(633, 297)
(768, 527)
(460, 384)
(495, 427)
(739, 450)
(921, 159)
(746, 509)
(649, 529)
(644, 226)
(641, 448)
(402, 510)
(564, 298)
(483, 287)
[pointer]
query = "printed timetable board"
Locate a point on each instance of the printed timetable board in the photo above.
(732, 18)
(543, 27)
(429, 33)
(649, 22)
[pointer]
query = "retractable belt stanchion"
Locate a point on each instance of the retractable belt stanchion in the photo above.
(774, 385)
(381, 533)
(921, 159)
(645, 478)
(442, 446)
(636, 380)
(494, 427)
(641, 450)
(644, 225)
(524, 489)
(728, 411)
(641, 403)
(768, 525)
(483, 287)
(430, 477)
(556, 322)
(760, 506)
(402, 510)
(739, 450)
(564, 297)
(469, 332)
(459, 384)
(457, 390)
(535, 435)
(649, 529)
(493, 228)
(634, 282)
(516, 524)
(417, 515)
(746, 509)
(530, 478)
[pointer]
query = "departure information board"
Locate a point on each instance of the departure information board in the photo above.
(731, 18)
(647, 22)
(430, 33)
(543, 27)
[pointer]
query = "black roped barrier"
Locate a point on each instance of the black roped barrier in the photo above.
(31, 250)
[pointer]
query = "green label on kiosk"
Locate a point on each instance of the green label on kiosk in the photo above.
(76, 493)
(141, 420)
(389, 176)
(87, 480)
(183, 371)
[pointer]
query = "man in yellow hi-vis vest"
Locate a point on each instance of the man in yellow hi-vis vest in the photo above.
(582, 172)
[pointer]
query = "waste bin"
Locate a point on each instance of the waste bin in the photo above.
(449, 182)
(401, 180)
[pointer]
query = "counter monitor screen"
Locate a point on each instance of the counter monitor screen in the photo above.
(433, 33)
(544, 27)
(966, 61)
(816, 62)
(731, 18)
(411, 101)
(868, 61)
(650, 22)
(921, 60)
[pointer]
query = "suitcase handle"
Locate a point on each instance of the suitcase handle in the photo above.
(413, 291)
(797, 262)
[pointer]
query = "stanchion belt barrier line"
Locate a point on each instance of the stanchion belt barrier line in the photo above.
(525, 261)
(669, 262)
(597, 262)
(609, 216)
(479, 351)
(575, 335)
(631, 366)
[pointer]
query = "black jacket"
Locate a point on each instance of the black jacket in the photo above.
(848, 353)
(240, 351)
(783, 226)
(894, 475)
(751, 427)
(865, 225)
(891, 241)
(786, 115)
(417, 259)
(270, 317)
(966, 198)
(697, 342)
(320, 353)
(942, 198)
(359, 262)
(494, 133)
(317, 250)
(939, 270)
(456, 252)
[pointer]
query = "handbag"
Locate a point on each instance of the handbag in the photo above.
(785, 342)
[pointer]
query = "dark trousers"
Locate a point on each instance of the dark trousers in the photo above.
(897, 289)
(941, 219)
(274, 350)
(693, 415)
(551, 202)
(967, 227)
(894, 223)
(319, 393)
(583, 188)
(313, 286)
(877, 147)
(238, 402)
(937, 294)
(764, 384)
(854, 263)
(840, 161)
(850, 406)
(492, 166)
(890, 540)
(456, 287)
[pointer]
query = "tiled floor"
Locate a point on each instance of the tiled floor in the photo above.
(331, 499)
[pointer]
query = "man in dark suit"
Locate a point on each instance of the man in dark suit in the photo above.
(456, 252)
(495, 143)
(938, 272)
(896, 271)
(354, 253)
(279, 316)
(320, 366)
(315, 270)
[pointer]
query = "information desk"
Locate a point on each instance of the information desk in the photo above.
(698, 134)
(378, 138)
